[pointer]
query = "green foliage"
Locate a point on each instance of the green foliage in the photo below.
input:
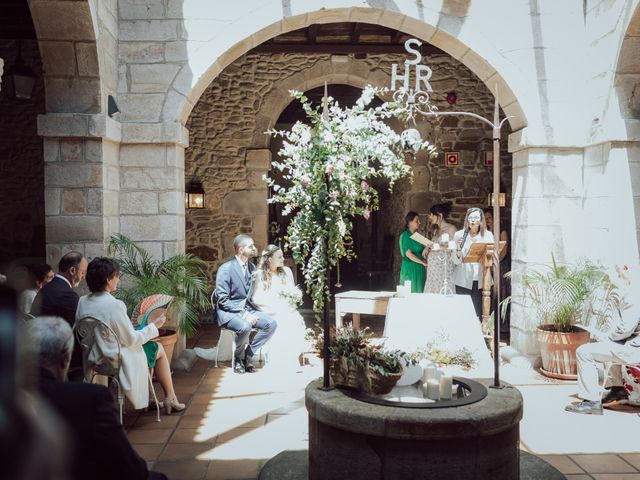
(440, 351)
(358, 348)
(181, 276)
(328, 166)
(563, 294)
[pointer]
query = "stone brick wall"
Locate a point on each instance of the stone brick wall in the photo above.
(224, 124)
(21, 165)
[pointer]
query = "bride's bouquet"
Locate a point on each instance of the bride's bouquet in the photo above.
(292, 294)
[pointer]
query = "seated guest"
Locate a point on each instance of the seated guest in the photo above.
(38, 275)
(103, 275)
(58, 299)
(99, 447)
(468, 276)
(621, 346)
(234, 308)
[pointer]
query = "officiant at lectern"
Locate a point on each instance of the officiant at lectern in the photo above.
(468, 275)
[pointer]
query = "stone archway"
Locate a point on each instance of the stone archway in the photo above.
(229, 152)
(436, 36)
(78, 44)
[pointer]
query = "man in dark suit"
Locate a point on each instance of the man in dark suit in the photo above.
(234, 308)
(57, 298)
(100, 449)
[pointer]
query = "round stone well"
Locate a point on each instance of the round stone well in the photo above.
(349, 438)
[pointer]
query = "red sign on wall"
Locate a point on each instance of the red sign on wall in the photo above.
(451, 159)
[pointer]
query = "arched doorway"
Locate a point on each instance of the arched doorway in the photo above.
(229, 151)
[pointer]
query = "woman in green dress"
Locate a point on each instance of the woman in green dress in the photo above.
(413, 265)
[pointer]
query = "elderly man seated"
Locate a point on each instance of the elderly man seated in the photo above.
(100, 448)
(621, 346)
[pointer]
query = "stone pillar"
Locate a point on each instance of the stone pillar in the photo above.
(81, 182)
(574, 202)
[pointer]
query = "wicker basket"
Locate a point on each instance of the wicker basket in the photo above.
(361, 377)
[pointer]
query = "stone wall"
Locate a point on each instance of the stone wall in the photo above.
(21, 165)
(231, 113)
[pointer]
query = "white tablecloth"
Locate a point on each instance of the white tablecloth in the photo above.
(414, 320)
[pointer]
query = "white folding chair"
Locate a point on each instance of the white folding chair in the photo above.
(102, 355)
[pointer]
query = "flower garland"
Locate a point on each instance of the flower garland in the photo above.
(328, 165)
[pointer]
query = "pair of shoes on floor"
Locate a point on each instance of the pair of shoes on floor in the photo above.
(615, 396)
(243, 365)
(586, 406)
(172, 404)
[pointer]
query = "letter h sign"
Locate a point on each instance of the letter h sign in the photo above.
(423, 73)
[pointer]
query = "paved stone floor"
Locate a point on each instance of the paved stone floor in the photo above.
(234, 423)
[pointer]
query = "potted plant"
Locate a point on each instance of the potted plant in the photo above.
(561, 296)
(360, 363)
(181, 276)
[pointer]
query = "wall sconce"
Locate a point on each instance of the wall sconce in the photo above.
(112, 106)
(195, 196)
(20, 79)
(502, 199)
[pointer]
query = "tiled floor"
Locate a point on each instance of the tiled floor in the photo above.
(234, 423)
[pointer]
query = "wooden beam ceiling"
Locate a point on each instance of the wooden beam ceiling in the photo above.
(342, 38)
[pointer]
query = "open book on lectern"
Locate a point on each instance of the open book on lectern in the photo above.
(477, 251)
(421, 239)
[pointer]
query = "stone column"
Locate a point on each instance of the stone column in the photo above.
(81, 182)
(574, 202)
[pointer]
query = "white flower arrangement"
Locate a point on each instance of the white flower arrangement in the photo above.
(329, 164)
(292, 295)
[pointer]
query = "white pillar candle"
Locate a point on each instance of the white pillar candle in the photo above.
(435, 247)
(452, 244)
(446, 386)
(433, 389)
(444, 237)
(407, 285)
(428, 373)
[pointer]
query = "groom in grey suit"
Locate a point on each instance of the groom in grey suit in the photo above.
(234, 308)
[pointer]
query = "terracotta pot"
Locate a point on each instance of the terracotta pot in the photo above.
(167, 339)
(558, 350)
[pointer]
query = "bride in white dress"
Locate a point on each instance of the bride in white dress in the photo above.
(276, 294)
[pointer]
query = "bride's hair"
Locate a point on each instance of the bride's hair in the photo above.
(264, 272)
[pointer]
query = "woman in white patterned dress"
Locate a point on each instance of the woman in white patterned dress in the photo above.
(276, 294)
(440, 264)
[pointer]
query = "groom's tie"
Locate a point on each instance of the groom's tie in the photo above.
(247, 276)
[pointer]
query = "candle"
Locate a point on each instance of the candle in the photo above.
(407, 284)
(446, 386)
(432, 390)
(435, 247)
(444, 237)
(452, 244)
(428, 373)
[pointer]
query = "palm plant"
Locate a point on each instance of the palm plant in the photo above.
(181, 276)
(561, 293)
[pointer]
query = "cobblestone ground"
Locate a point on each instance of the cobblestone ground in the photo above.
(233, 424)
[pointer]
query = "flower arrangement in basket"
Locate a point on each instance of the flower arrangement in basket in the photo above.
(359, 362)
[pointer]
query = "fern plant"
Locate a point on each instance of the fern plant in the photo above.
(181, 276)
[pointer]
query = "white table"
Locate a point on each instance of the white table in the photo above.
(417, 318)
(358, 302)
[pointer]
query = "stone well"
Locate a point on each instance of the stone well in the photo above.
(356, 440)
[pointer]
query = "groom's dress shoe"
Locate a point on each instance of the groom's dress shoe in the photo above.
(615, 396)
(248, 366)
(238, 366)
(586, 407)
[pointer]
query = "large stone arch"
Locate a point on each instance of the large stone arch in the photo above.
(437, 36)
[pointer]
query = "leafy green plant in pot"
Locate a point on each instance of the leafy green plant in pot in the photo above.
(181, 276)
(360, 363)
(561, 295)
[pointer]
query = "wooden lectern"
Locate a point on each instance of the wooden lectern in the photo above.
(482, 253)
